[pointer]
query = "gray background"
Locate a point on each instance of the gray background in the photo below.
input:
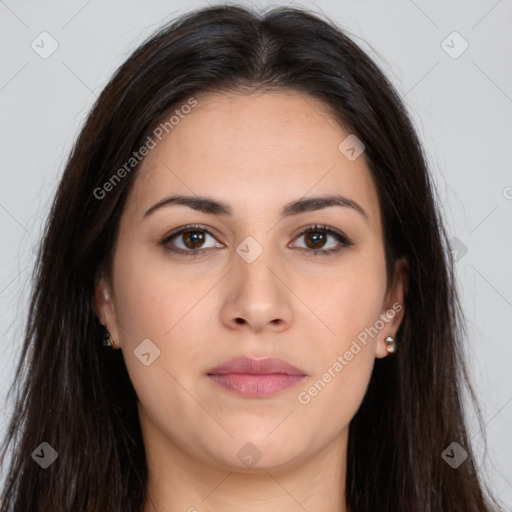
(461, 106)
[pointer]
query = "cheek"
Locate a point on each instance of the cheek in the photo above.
(344, 354)
(153, 303)
(333, 397)
(356, 310)
(345, 344)
(158, 302)
(349, 301)
(152, 298)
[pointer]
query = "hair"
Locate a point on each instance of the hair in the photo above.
(76, 395)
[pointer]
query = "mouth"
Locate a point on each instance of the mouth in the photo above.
(256, 378)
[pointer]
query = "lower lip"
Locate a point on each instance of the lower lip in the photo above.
(256, 386)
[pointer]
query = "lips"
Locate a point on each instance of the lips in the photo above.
(268, 365)
(256, 378)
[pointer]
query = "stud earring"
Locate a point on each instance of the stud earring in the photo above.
(107, 340)
(391, 344)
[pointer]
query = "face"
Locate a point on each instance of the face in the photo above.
(266, 273)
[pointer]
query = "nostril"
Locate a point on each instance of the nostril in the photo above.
(240, 320)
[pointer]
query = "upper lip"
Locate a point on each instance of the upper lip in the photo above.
(264, 366)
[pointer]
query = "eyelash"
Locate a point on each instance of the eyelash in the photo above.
(343, 240)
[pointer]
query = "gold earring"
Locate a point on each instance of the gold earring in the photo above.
(107, 340)
(391, 344)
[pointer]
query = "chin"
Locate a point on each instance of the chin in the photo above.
(251, 451)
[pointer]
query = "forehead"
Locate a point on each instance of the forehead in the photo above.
(246, 148)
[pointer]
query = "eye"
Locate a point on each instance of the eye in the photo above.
(316, 240)
(190, 240)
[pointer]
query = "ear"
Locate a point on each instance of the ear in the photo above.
(104, 304)
(393, 307)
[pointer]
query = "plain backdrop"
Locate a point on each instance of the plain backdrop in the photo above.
(458, 88)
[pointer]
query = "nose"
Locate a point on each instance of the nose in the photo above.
(257, 296)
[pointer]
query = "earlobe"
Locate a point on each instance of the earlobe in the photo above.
(104, 305)
(393, 312)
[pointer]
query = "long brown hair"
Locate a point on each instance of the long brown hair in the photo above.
(75, 395)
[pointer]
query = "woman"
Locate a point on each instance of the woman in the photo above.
(245, 297)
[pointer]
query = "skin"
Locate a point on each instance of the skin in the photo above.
(256, 152)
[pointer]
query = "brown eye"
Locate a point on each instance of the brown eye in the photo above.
(316, 240)
(193, 239)
(190, 240)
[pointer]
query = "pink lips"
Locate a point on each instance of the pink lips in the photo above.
(256, 378)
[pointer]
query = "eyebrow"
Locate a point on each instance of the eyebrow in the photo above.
(211, 206)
